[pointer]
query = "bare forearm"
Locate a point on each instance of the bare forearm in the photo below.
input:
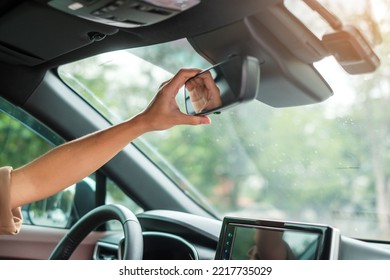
(75, 160)
(69, 163)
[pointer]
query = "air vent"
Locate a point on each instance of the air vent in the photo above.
(106, 251)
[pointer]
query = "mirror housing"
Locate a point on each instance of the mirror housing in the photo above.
(222, 86)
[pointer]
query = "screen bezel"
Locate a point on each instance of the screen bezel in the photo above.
(326, 247)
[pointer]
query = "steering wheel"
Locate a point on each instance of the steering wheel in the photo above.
(133, 242)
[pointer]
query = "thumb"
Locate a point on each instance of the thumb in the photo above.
(195, 120)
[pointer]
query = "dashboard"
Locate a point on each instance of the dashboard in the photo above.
(253, 239)
(168, 235)
(171, 235)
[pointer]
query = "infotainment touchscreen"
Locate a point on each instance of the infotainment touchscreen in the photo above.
(250, 239)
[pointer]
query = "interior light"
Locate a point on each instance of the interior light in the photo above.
(179, 5)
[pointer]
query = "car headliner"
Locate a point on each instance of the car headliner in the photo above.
(35, 38)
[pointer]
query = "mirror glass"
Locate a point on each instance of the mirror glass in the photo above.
(222, 86)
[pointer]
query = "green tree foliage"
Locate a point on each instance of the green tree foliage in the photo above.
(18, 144)
(320, 163)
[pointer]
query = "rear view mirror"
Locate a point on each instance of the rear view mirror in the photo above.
(222, 86)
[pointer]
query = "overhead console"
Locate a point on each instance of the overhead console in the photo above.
(124, 13)
(34, 32)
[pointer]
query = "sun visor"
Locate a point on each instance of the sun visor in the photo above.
(124, 13)
(46, 36)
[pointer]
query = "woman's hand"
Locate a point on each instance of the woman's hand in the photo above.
(70, 162)
(163, 111)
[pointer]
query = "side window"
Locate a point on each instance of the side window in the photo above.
(63, 209)
(18, 144)
(117, 196)
(22, 139)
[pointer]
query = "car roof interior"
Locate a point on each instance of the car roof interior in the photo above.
(36, 36)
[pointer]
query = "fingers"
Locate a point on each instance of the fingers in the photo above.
(204, 92)
(179, 79)
(163, 112)
(195, 120)
(190, 84)
(210, 83)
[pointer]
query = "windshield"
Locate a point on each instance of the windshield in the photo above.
(324, 163)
